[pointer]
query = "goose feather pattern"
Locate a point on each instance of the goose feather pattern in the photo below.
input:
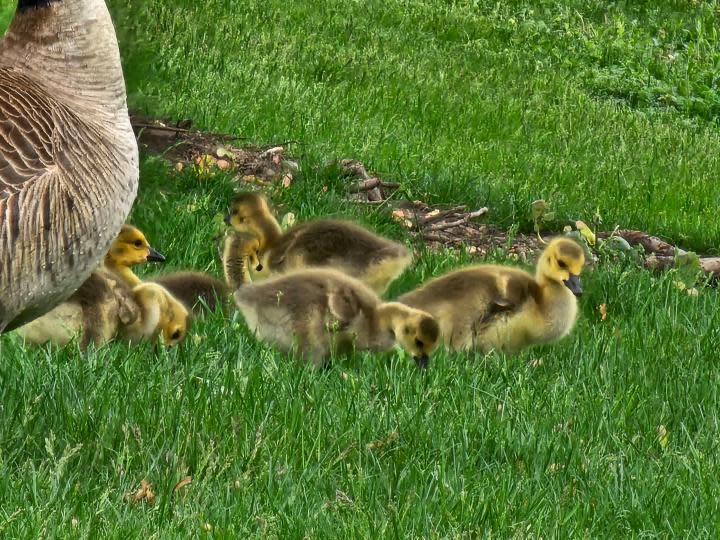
(68, 156)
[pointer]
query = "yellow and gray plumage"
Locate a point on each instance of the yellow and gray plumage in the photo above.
(68, 156)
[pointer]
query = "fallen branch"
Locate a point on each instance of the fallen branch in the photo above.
(709, 265)
(456, 223)
(651, 244)
(432, 218)
(365, 185)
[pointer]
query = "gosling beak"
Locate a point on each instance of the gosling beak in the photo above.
(259, 267)
(422, 361)
(226, 219)
(574, 284)
(155, 256)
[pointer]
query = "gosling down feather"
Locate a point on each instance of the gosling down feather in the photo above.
(103, 303)
(374, 260)
(504, 308)
(318, 311)
(68, 156)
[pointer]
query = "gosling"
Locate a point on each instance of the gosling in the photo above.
(160, 314)
(374, 260)
(94, 313)
(196, 290)
(320, 311)
(498, 307)
(130, 248)
(103, 303)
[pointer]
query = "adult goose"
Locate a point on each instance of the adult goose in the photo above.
(68, 156)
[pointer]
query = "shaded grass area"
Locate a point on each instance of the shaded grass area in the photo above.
(561, 438)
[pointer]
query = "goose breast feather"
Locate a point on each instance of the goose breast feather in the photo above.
(65, 190)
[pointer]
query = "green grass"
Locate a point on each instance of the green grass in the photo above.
(477, 102)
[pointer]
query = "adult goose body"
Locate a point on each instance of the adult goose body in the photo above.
(68, 156)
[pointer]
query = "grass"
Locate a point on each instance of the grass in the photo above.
(461, 101)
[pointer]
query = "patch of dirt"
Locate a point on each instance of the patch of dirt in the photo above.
(206, 152)
(435, 225)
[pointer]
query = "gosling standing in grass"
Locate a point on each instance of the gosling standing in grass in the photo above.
(317, 311)
(504, 308)
(241, 253)
(374, 260)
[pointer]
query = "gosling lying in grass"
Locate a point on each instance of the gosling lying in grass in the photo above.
(104, 302)
(319, 311)
(504, 308)
(374, 260)
(94, 313)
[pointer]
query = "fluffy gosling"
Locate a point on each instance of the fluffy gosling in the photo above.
(318, 311)
(160, 314)
(504, 308)
(374, 260)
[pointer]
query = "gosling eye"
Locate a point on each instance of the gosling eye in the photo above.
(392, 333)
(419, 343)
(562, 264)
(176, 334)
(138, 243)
(407, 330)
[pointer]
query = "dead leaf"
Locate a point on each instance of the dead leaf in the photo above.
(222, 152)
(145, 493)
(179, 166)
(399, 215)
(536, 363)
(381, 443)
(603, 311)
(288, 220)
(586, 232)
(273, 152)
(182, 483)
(324, 188)
(223, 164)
(287, 180)
(663, 436)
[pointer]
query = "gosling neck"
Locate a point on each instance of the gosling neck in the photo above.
(123, 271)
(69, 47)
(270, 233)
(235, 263)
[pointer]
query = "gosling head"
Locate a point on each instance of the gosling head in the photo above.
(414, 330)
(247, 210)
(562, 261)
(174, 323)
(171, 317)
(130, 247)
